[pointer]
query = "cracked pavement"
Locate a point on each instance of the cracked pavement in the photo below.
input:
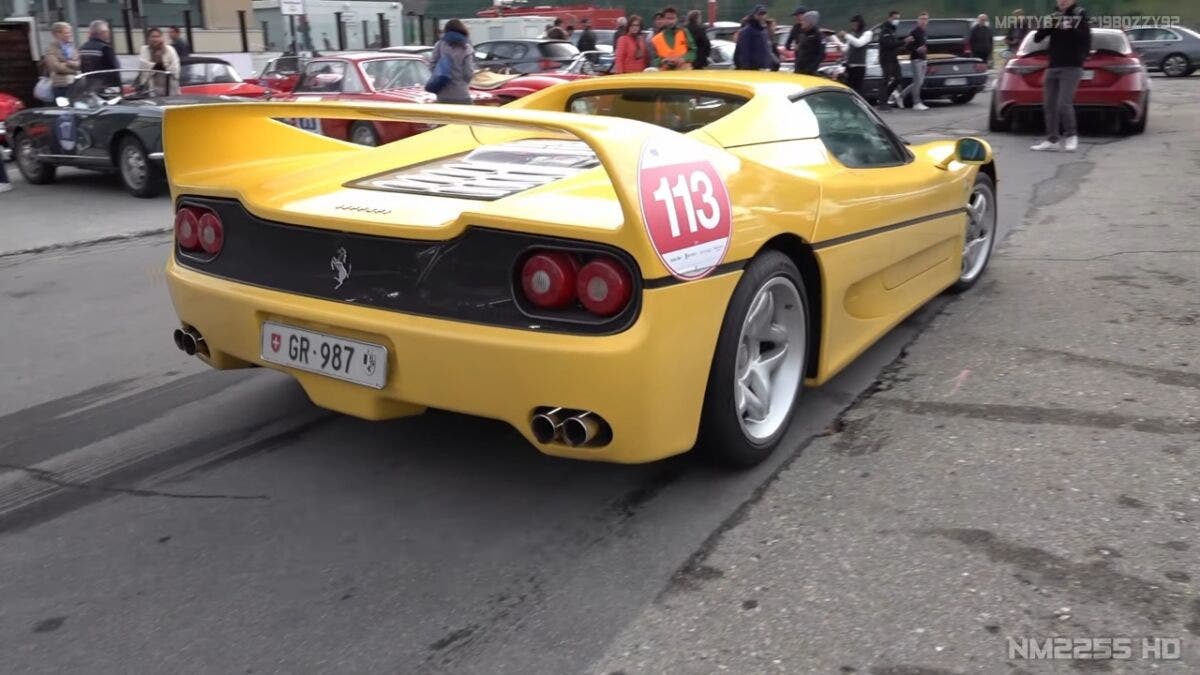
(1017, 461)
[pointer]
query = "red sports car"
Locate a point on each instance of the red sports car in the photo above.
(8, 106)
(380, 76)
(281, 73)
(1114, 83)
(210, 76)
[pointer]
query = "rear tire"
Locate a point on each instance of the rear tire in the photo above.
(962, 99)
(758, 368)
(995, 122)
(1131, 128)
(32, 169)
(138, 173)
(363, 133)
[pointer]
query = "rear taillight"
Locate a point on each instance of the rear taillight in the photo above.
(981, 67)
(1024, 67)
(187, 229)
(211, 233)
(548, 279)
(604, 287)
(568, 282)
(1123, 68)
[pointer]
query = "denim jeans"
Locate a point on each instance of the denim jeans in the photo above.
(918, 73)
(1058, 103)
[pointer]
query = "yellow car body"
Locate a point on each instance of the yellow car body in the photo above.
(874, 244)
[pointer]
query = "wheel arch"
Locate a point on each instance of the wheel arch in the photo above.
(114, 144)
(990, 170)
(801, 253)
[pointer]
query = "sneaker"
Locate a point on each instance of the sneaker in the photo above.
(1046, 145)
(1071, 144)
(920, 106)
(895, 100)
(5, 187)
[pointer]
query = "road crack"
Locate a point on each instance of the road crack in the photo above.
(52, 478)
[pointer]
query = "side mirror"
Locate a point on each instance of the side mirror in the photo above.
(62, 102)
(969, 150)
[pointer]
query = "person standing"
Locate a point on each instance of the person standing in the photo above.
(773, 45)
(633, 54)
(916, 44)
(97, 54)
(981, 40)
(809, 43)
(181, 46)
(672, 47)
(556, 31)
(622, 26)
(856, 53)
(889, 63)
(1016, 32)
(454, 64)
(752, 51)
(157, 55)
(699, 34)
(1070, 42)
(61, 60)
(587, 38)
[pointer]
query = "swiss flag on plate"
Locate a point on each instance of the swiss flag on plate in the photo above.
(686, 209)
(276, 342)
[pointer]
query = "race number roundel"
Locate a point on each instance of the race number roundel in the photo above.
(686, 208)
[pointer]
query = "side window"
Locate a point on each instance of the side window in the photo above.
(322, 77)
(504, 51)
(851, 133)
(192, 73)
(1163, 34)
(352, 83)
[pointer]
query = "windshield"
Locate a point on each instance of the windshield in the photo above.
(207, 73)
(1102, 41)
(558, 50)
(385, 74)
(679, 110)
(109, 86)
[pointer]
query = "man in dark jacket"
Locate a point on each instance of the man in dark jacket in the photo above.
(1016, 32)
(97, 54)
(1070, 42)
(889, 61)
(587, 39)
(556, 31)
(981, 40)
(700, 39)
(753, 51)
(182, 48)
(807, 41)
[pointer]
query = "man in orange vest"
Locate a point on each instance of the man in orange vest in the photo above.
(672, 46)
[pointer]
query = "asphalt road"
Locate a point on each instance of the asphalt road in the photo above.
(156, 516)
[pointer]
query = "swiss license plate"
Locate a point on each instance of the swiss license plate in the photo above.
(956, 82)
(1089, 74)
(338, 357)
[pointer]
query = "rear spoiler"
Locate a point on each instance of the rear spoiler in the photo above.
(205, 145)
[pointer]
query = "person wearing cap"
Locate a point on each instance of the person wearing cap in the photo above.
(856, 52)
(889, 63)
(808, 41)
(673, 46)
(753, 50)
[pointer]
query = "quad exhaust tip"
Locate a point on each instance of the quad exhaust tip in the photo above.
(189, 341)
(575, 428)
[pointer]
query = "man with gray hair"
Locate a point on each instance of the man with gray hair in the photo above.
(97, 53)
(810, 44)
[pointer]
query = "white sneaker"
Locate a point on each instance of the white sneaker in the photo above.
(5, 187)
(920, 106)
(1046, 145)
(1071, 144)
(896, 100)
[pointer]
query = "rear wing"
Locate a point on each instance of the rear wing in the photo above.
(207, 147)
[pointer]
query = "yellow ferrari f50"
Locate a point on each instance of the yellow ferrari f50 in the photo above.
(623, 268)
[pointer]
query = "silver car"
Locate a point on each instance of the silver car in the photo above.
(1174, 50)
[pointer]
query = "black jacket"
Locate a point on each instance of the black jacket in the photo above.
(1070, 38)
(919, 39)
(810, 49)
(981, 40)
(182, 48)
(96, 55)
(889, 44)
(587, 40)
(703, 45)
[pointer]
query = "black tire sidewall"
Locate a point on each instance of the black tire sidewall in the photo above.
(45, 172)
(722, 439)
(361, 125)
(151, 187)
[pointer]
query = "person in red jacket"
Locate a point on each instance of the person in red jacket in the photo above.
(633, 53)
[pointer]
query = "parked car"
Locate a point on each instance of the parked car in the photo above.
(211, 76)
(532, 55)
(1173, 50)
(417, 50)
(110, 120)
(1114, 84)
(8, 105)
(281, 73)
(367, 76)
(957, 78)
(721, 57)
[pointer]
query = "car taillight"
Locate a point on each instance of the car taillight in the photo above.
(187, 229)
(211, 233)
(548, 279)
(981, 67)
(604, 287)
(1123, 68)
(1025, 67)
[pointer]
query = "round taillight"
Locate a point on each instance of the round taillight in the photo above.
(604, 286)
(211, 233)
(187, 229)
(548, 279)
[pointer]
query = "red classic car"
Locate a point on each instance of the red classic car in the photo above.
(281, 73)
(210, 76)
(381, 76)
(8, 106)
